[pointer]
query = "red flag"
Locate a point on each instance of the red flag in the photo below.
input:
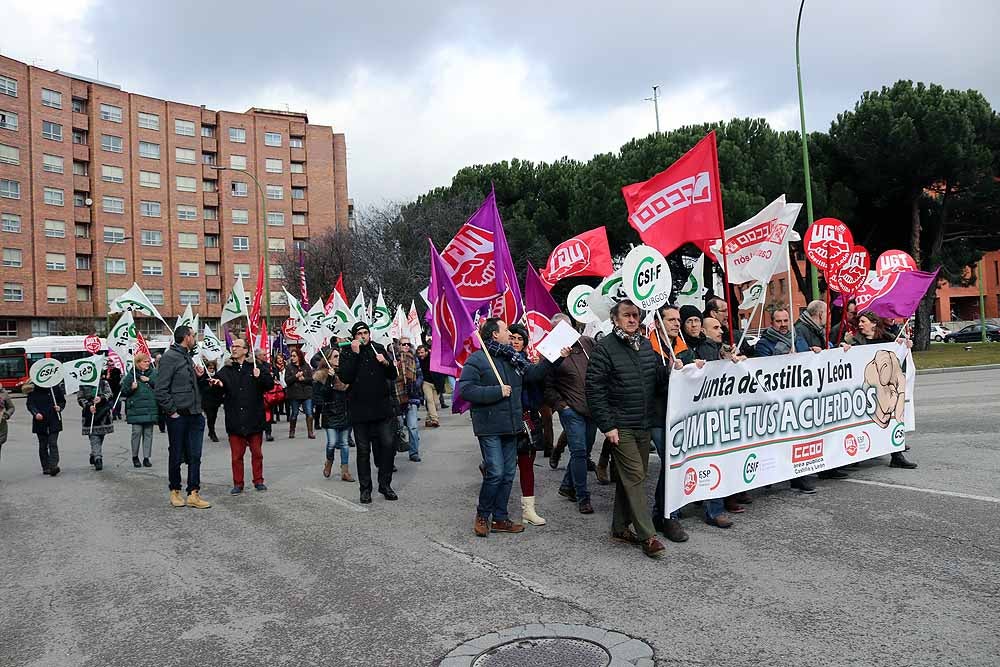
(587, 254)
(258, 293)
(141, 345)
(682, 204)
(338, 289)
(264, 345)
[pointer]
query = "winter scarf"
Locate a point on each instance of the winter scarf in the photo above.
(518, 361)
(782, 343)
(632, 340)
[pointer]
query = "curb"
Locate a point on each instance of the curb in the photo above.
(956, 369)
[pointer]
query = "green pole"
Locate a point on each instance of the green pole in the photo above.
(813, 273)
(982, 299)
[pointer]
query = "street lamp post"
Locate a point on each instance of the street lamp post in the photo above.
(813, 274)
(263, 243)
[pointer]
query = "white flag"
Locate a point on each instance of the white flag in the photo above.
(135, 300)
(358, 308)
(424, 294)
(309, 326)
(755, 247)
(693, 292)
(186, 319)
(236, 305)
(84, 372)
(339, 320)
(399, 328)
(753, 295)
(122, 342)
(211, 347)
(413, 321)
(381, 321)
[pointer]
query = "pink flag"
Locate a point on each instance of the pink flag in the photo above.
(453, 330)
(540, 307)
(895, 295)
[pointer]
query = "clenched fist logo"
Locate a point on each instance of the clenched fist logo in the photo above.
(886, 375)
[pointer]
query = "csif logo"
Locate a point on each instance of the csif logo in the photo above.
(580, 305)
(87, 372)
(750, 467)
(46, 371)
(898, 435)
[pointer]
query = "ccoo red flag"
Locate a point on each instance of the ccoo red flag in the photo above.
(141, 345)
(258, 294)
(587, 254)
(682, 204)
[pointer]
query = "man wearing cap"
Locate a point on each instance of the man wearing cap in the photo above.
(370, 375)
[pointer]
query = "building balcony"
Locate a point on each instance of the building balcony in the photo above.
(209, 117)
(213, 255)
(297, 154)
(297, 128)
(300, 206)
(211, 226)
(208, 173)
(211, 199)
(81, 121)
(84, 278)
(210, 144)
(300, 231)
(81, 214)
(299, 181)
(81, 152)
(81, 183)
(80, 89)
(84, 246)
(213, 282)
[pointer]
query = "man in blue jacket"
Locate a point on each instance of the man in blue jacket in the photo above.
(497, 418)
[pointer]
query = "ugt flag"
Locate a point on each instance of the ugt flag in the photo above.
(454, 336)
(587, 254)
(540, 307)
(682, 204)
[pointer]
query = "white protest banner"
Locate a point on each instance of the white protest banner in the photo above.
(646, 277)
(84, 372)
(381, 321)
(358, 309)
(693, 292)
(578, 306)
(753, 295)
(122, 341)
(733, 427)
(211, 347)
(562, 335)
(135, 300)
(755, 247)
(186, 319)
(46, 373)
(607, 293)
(236, 304)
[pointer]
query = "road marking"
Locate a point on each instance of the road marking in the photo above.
(337, 499)
(967, 496)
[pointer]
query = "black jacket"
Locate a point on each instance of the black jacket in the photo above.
(808, 334)
(492, 414)
(333, 391)
(708, 349)
(566, 385)
(243, 396)
(40, 402)
(371, 392)
(296, 389)
(622, 384)
(178, 387)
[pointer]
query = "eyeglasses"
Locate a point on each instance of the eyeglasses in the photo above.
(405, 344)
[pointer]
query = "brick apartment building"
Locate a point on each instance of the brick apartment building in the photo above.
(100, 187)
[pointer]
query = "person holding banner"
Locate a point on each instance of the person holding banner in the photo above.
(810, 333)
(298, 389)
(46, 406)
(97, 417)
(140, 407)
(623, 377)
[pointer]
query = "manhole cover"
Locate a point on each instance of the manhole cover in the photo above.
(545, 652)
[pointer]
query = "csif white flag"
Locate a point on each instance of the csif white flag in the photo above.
(693, 292)
(381, 321)
(211, 347)
(84, 372)
(236, 305)
(358, 310)
(135, 300)
(186, 319)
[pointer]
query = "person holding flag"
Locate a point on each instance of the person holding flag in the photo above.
(96, 402)
(46, 406)
(140, 407)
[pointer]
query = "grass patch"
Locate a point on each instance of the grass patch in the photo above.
(944, 355)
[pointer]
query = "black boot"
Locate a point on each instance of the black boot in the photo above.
(899, 461)
(136, 463)
(98, 463)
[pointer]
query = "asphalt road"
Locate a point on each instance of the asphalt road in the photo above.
(97, 569)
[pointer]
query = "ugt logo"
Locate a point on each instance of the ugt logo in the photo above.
(470, 257)
(569, 257)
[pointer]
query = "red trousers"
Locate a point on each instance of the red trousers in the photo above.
(526, 466)
(238, 447)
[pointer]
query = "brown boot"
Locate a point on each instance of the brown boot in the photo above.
(345, 474)
(309, 428)
(327, 468)
(291, 428)
(507, 527)
(482, 527)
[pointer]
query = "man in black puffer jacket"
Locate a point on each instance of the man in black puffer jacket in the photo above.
(623, 377)
(365, 366)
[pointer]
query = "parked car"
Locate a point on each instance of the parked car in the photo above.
(973, 334)
(938, 332)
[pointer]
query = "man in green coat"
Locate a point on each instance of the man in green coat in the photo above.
(140, 407)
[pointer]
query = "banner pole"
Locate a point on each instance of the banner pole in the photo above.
(54, 404)
(722, 235)
(489, 358)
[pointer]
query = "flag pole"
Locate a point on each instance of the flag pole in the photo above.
(722, 235)
(791, 308)
(489, 358)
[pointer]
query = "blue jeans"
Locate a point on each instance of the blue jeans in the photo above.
(337, 438)
(500, 458)
(714, 507)
(580, 433)
(294, 405)
(184, 437)
(411, 420)
(657, 435)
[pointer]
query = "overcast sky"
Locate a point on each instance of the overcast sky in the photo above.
(422, 89)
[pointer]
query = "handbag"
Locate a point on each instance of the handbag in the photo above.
(274, 396)
(531, 438)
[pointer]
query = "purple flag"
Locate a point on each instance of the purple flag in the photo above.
(540, 306)
(454, 332)
(896, 295)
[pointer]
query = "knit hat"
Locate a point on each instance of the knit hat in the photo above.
(358, 326)
(688, 311)
(520, 330)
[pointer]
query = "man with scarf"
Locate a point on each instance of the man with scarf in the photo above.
(497, 419)
(810, 333)
(623, 377)
(777, 338)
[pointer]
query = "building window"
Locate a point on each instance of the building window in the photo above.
(152, 267)
(80, 137)
(149, 179)
(150, 150)
(51, 98)
(190, 297)
(275, 219)
(149, 121)
(80, 168)
(8, 120)
(11, 222)
(296, 142)
(55, 261)
(111, 113)
(279, 298)
(184, 128)
(83, 262)
(275, 192)
(240, 216)
(8, 328)
(13, 292)
(209, 186)
(272, 139)
(51, 131)
(241, 270)
(114, 266)
(298, 193)
(298, 218)
(275, 245)
(84, 293)
(53, 164)
(188, 269)
(114, 235)
(56, 294)
(187, 212)
(11, 155)
(241, 243)
(55, 229)
(151, 237)
(8, 86)
(297, 167)
(211, 268)
(275, 271)
(10, 189)
(114, 292)
(239, 189)
(79, 198)
(112, 174)
(54, 196)
(186, 184)
(237, 161)
(111, 143)
(79, 106)
(187, 240)
(81, 230)
(237, 135)
(155, 297)
(12, 258)
(207, 131)
(209, 159)
(149, 209)
(185, 155)
(113, 205)
(211, 240)
(213, 296)
(210, 213)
